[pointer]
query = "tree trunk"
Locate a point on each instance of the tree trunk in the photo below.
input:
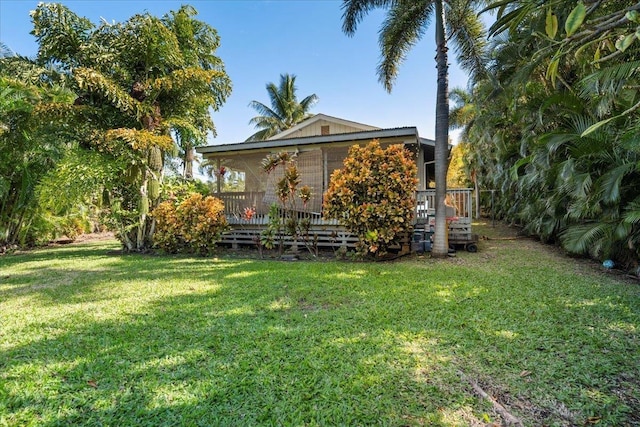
(139, 238)
(189, 156)
(440, 247)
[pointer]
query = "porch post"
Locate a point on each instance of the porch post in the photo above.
(218, 177)
(325, 170)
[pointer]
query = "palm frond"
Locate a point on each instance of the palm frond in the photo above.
(263, 110)
(583, 238)
(95, 82)
(604, 76)
(309, 102)
(5, 51)
(610, 183)
(285, 111)
(403, 27)
(555, 140)
(469, 35)
(631, 213)
(261, 135)
(353, 11)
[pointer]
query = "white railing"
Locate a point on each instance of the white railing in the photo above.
(458, 199)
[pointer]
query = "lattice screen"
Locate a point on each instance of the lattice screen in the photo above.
(250, 164)
(311, 169)
(335, 159)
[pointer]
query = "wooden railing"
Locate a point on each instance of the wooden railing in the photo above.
(235, 202)
(458, 199)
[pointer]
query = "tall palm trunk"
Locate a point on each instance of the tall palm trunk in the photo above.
(440, 247)
(189, 158)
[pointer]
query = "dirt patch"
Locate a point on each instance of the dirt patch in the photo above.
(90, 237)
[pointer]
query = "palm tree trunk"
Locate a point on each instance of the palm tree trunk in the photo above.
(440, 247)
(189, 157)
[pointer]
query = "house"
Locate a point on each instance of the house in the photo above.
(321, 143)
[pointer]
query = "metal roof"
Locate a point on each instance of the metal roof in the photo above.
(409, 132)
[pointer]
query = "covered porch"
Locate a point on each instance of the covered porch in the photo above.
(247, 214)
(248, 192)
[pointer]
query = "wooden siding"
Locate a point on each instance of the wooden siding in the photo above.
(315, 129)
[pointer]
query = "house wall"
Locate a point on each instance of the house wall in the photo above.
(422, 184)
(316, 163)
(315, 129)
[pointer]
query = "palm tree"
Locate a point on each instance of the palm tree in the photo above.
(137, 81)
(285, 111)
(405, 24)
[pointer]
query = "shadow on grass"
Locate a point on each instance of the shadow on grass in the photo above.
(268, 362)
(261, 343)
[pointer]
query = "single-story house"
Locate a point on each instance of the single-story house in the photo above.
(321, 144)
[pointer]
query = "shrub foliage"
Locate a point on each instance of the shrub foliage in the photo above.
(291, 216)
(191, 226)
(373, 195)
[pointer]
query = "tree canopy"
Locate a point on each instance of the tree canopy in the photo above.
(136, 84)
(285, 111)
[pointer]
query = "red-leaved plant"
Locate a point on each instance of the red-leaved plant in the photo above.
(373, 195)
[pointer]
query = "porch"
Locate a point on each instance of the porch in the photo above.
(247, 215)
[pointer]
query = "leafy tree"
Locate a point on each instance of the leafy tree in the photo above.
(560, 138)
(285, 111)
(456, 175)
(198, 43)
(29, 148)
(137, 83)
(405, 24)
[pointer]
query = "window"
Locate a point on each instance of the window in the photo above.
(324, 130)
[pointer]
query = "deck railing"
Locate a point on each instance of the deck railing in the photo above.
(458, 199)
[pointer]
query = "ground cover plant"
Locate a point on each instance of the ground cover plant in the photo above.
(92, 337)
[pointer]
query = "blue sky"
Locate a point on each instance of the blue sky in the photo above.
(261, 39)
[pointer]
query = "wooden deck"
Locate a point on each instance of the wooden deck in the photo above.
(328, 237)
(246, 230)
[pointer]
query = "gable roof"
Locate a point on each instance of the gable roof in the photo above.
(409, 134)
(318, 117)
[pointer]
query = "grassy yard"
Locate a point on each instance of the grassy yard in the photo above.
(92, 338)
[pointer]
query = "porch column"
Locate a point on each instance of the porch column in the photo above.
(218, 177)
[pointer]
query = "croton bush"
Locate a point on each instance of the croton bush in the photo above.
(373, 195)
(194, 225)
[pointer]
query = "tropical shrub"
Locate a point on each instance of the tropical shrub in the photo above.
(373, 195)
(289, 217)
(191, 226)
(559, 144)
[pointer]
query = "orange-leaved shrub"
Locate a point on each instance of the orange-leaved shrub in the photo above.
(191, 226)
(373, 195)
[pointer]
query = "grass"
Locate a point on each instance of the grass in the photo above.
(92, 338)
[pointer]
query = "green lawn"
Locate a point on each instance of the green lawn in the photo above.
(92, 338)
